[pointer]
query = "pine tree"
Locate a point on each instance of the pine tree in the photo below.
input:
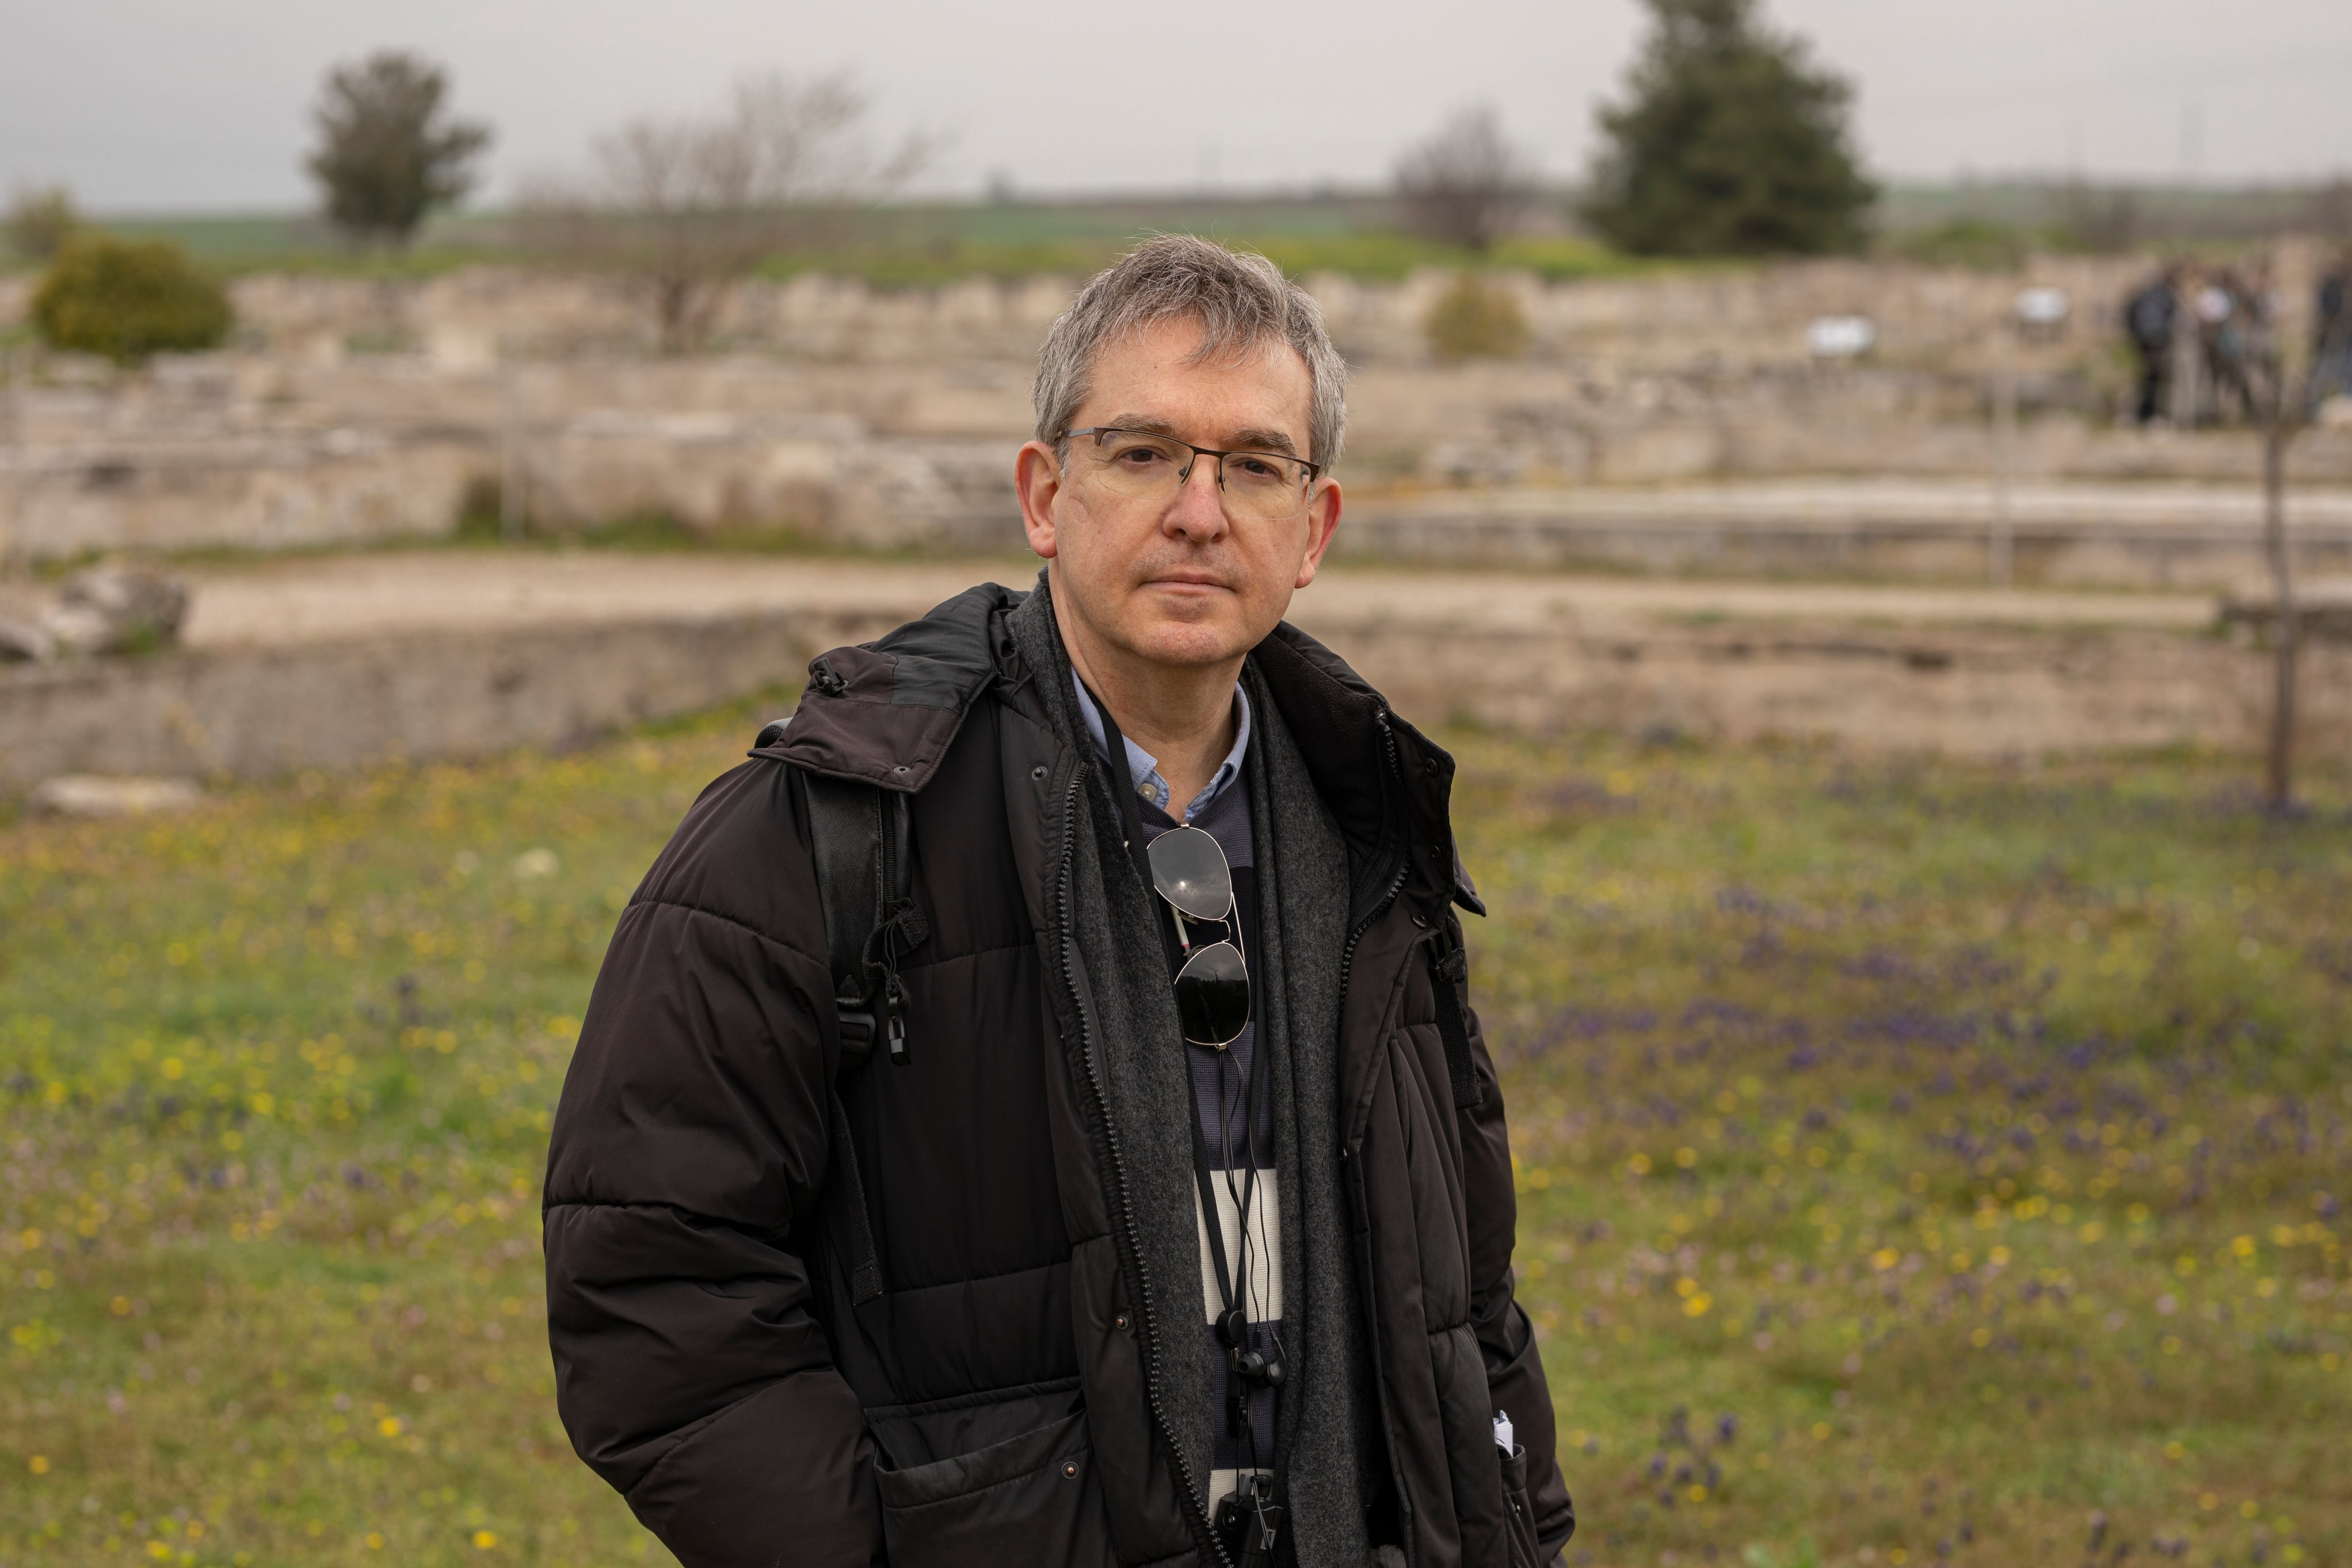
(1730, 143)
(386, 153)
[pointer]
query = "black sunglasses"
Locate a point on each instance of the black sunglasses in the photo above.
(1213, 990)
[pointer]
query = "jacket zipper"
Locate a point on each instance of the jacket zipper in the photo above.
(1347, 967)
(894, 807)
(1144, 1323)
(1396, 882)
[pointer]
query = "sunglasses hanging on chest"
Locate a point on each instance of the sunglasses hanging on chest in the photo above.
(1188, 869)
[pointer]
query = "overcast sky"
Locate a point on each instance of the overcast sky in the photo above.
(147, 105)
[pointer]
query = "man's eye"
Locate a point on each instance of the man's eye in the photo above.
(1140, 456)
(1261, 467)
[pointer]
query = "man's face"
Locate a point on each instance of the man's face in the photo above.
(1176, 579)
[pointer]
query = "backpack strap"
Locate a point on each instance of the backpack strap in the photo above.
(862, 839)
(845, 836)
(863, 836)
(846, 1217)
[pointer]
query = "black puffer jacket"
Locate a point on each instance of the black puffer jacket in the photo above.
(709, 1363)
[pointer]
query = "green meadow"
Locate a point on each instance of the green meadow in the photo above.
(923, 245)
(1917, 1164)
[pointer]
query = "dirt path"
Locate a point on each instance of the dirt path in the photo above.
(340, 598)
(338, 661)
(1824, 500)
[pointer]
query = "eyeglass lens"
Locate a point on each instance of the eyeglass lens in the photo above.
(1190, 873)
(1256, 483)
(1213, 995)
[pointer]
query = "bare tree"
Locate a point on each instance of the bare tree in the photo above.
(2273, 398)
(1463, 184)
(2107, 222)
(685, 206)
(2328, 211)
(39, 221)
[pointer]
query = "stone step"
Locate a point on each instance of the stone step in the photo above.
(344, 662)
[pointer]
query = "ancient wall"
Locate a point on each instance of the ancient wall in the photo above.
(1723, 316)
(2205, 538)
(1952, 688)
(355, 411)
(257, 712)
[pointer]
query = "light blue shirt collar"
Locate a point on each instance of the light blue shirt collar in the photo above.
(1143, 769)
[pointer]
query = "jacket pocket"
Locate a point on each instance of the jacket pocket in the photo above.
(1033, 1499)
(1520, 1527)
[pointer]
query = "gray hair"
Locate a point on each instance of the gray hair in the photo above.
(1240, 301)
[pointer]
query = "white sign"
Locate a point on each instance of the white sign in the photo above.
(1841, 336)
(2042, 307)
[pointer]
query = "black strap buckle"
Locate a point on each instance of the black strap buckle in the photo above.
(894, 1007)
(1448, 957)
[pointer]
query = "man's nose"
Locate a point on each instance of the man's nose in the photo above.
(1199, 509)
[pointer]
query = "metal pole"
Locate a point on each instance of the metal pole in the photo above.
(512, 474)
(2000, 566)
(2185, 392)
(2289, 628)
(12, 454)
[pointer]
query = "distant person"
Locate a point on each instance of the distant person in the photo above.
(1177, 1228)
(2233, 321)
(2331, 336)
(2150, 316)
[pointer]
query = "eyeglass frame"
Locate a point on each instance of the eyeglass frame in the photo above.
(1185, 474)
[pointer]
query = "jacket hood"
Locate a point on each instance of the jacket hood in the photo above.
(885, 712)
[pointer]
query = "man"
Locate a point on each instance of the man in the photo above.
(2331, 338)
(2149, 319)
(1176, 1229)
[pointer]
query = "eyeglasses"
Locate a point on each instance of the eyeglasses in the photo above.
(1258, 487)
(1212, 989)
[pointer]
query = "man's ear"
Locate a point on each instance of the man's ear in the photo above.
(1322, 522)
(1037, 476)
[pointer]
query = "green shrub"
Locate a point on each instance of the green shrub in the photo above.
(1474, 321)
(128, 299)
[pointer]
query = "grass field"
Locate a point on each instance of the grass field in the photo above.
(1919, 1164)
(926, 245)
(1971, 222)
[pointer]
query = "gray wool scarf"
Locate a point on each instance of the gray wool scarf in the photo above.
(1325, 1443)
